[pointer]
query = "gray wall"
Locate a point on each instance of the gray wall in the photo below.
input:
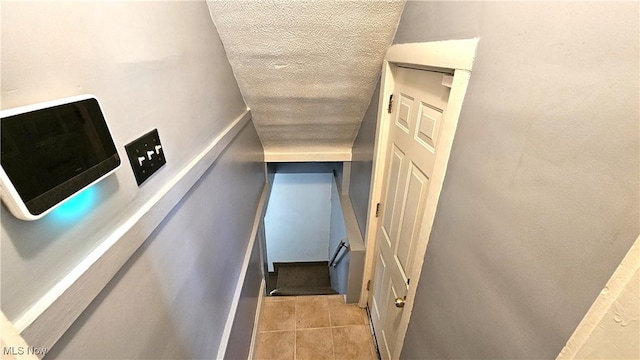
(540, 201)
(152, 65)
(362, 162)
(172, 298)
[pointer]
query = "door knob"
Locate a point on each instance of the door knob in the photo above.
(399, 302)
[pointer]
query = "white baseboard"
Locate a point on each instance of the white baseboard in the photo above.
(257, 321)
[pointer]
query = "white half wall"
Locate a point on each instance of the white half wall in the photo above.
(338, 232)
(298, 218)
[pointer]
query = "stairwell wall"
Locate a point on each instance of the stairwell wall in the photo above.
(362, 162)
(152, 65)
(298, 217)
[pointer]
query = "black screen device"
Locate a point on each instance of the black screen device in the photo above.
(51, 151)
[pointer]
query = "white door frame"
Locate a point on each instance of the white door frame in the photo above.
(456, 55)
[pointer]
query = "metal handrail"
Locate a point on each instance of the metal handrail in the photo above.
(343, 244)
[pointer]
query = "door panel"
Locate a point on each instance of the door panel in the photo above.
(396, 161)
(404, 114)
(413, 142)
(429, 121)
(381, 284)
(417, 189)
(380, 300)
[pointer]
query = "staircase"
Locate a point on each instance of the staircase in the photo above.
(302, 278)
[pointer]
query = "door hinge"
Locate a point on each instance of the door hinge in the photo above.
(390, 109)
(368, 284)
(377, 209)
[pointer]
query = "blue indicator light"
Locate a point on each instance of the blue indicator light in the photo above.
(76, 206)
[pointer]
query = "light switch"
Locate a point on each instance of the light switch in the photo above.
(145, 155)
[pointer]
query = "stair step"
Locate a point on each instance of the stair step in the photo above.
(278, 265)
(308, 278)
(303, 291)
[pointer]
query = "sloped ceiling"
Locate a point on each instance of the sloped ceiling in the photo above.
(307, 69)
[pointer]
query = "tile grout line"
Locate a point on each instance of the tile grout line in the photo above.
(272, 331)
(333, 344)
(316, 328)
(295, 328)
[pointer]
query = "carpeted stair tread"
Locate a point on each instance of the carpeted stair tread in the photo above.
(303, 291)
(303, 279)
(303, 276)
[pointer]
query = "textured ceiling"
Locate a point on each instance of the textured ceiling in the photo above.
(307, 69)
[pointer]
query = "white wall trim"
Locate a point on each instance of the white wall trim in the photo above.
(621, 277)
(262, 207)
(305, 155)
(257, 321)
(375, 186)
(449, 54)
(49, 318)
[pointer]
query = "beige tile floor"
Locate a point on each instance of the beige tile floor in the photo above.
(314, 327)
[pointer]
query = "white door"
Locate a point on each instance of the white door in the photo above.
(419, 101)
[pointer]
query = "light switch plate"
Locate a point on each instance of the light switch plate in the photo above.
(146, 155)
